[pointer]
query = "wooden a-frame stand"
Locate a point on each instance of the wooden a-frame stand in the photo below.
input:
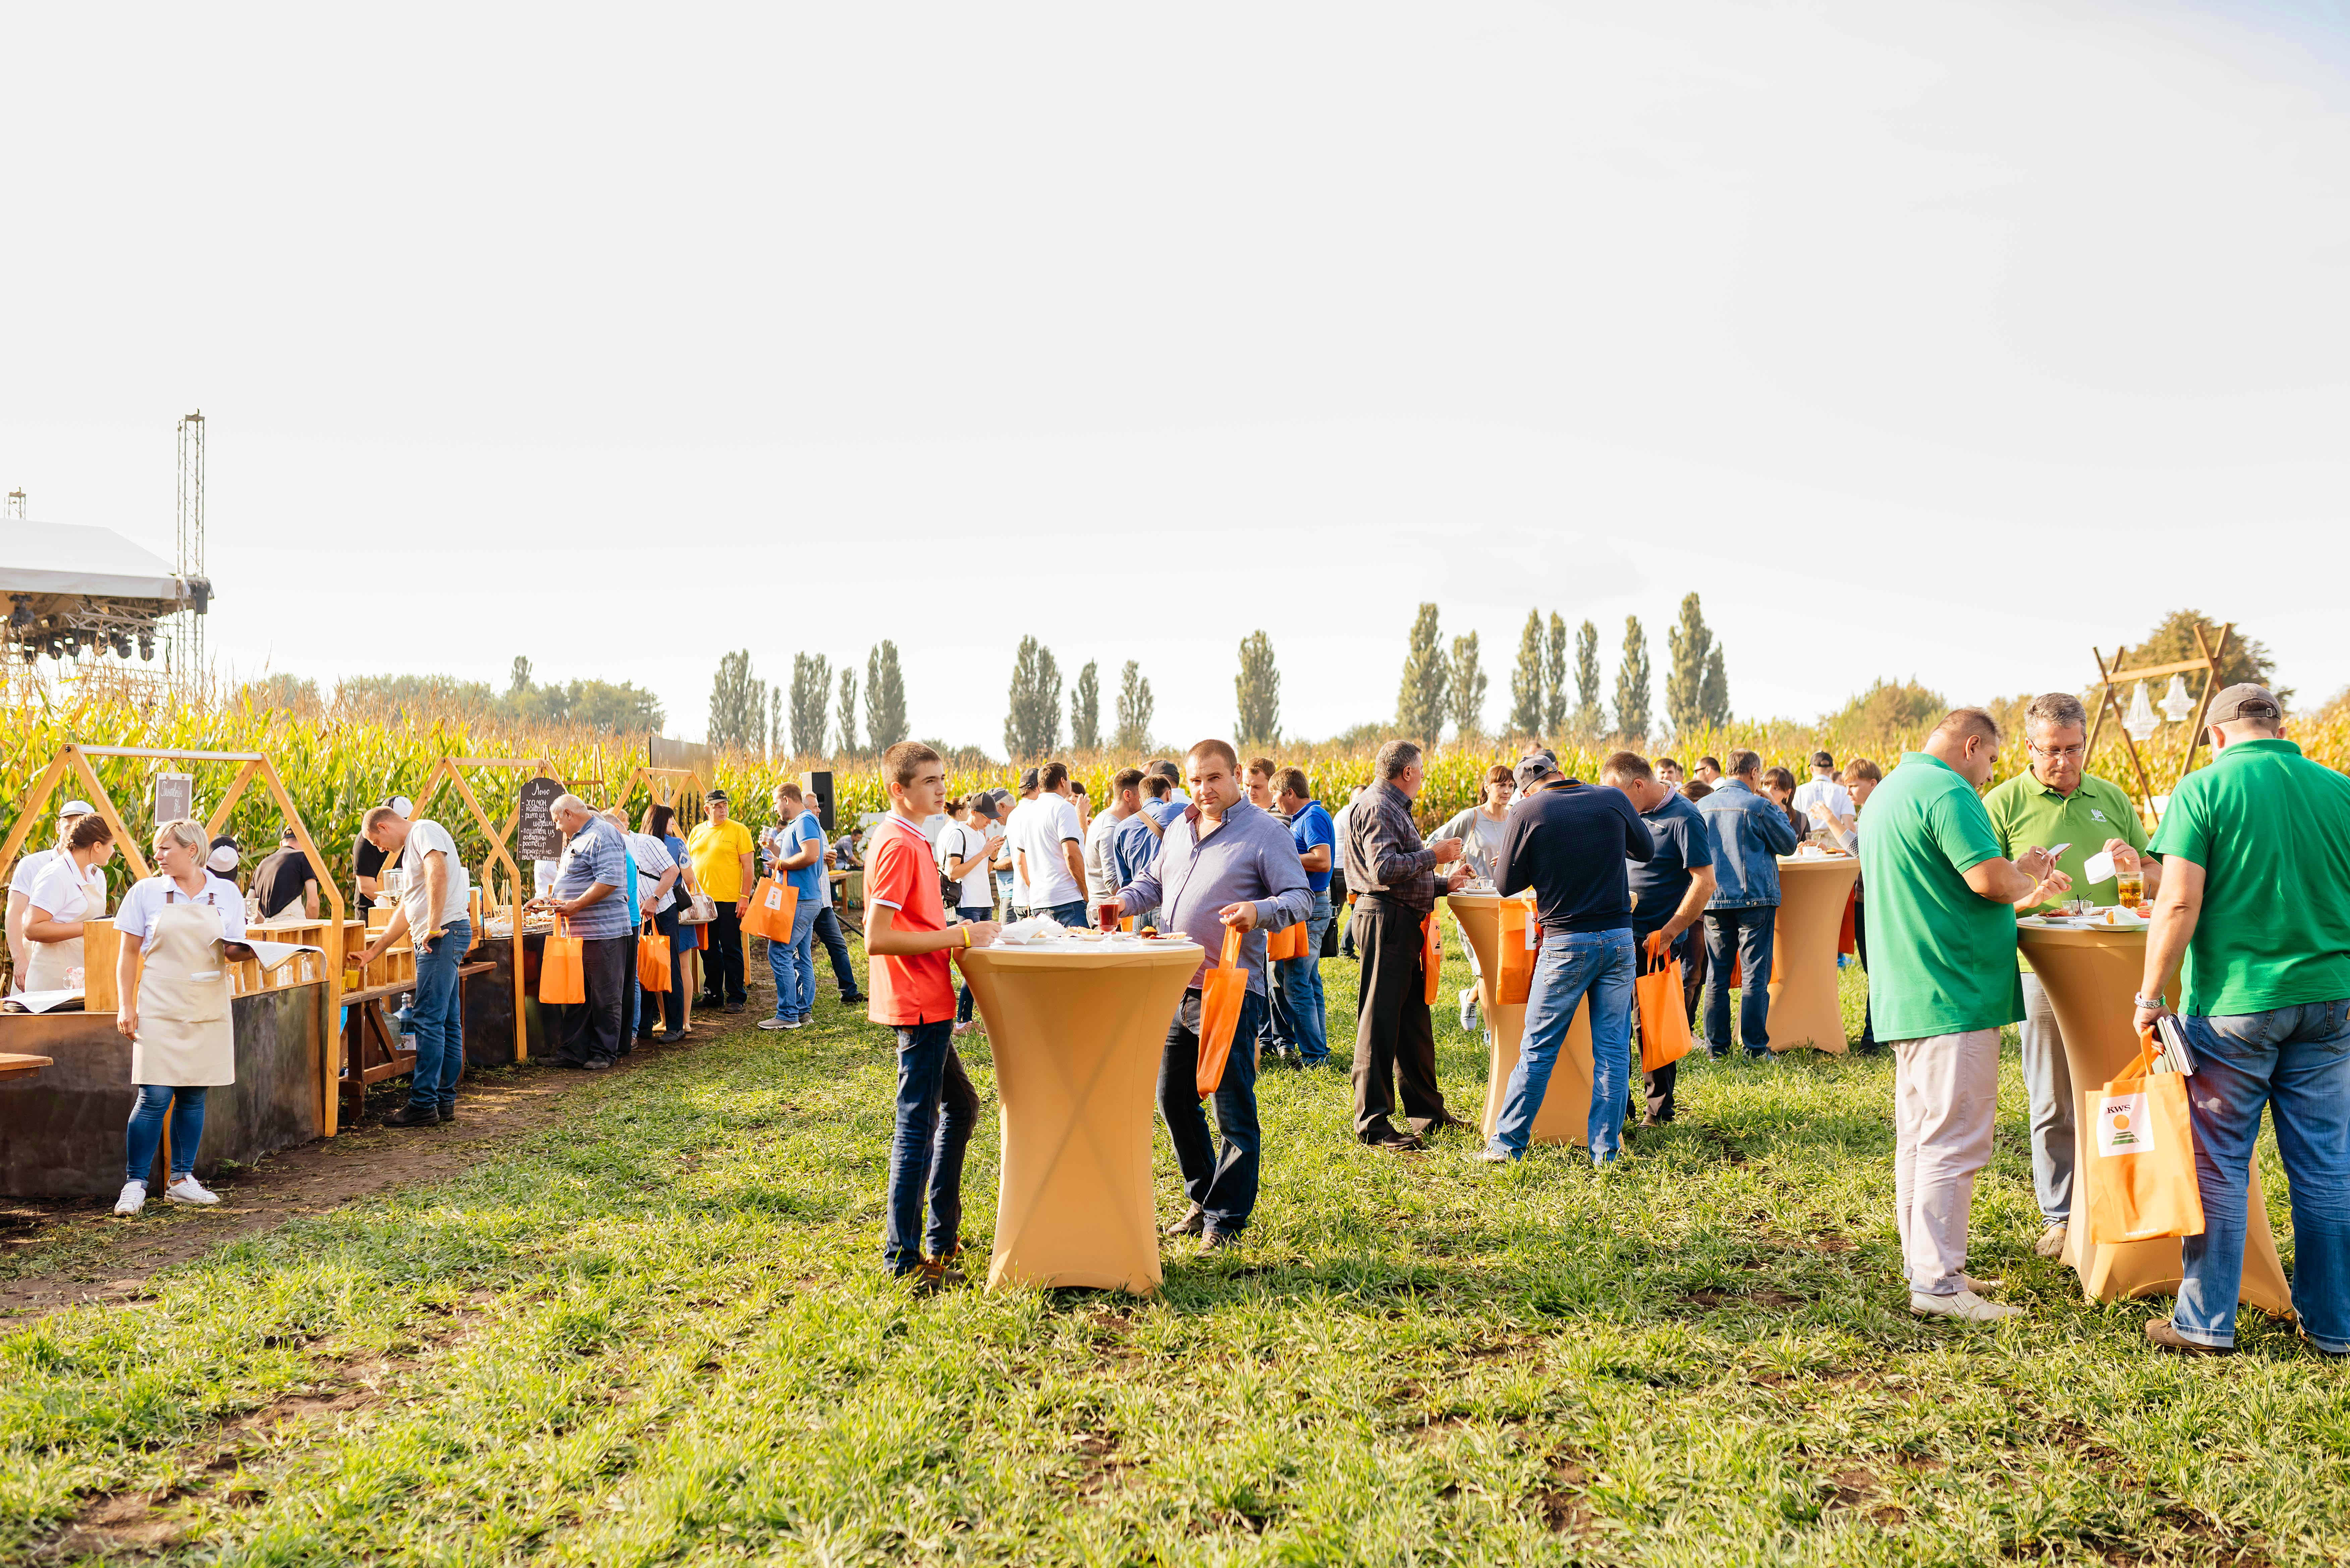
(450, 770)
(2112, 678)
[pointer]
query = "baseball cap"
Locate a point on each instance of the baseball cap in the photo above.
(983, 803)
(401, 805)
(1028, 781)
(716, 795)
(1536, 766)
(76, 808)
(2245, 700)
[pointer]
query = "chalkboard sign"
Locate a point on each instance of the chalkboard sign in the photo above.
(539, 838)
(176, 796)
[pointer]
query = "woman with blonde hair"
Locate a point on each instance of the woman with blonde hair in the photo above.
(185, 924)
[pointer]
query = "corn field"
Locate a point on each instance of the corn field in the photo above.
(337, 764)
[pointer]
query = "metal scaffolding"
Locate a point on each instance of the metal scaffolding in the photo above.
(189, 663)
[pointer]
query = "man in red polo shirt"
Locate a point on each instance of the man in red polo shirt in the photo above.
(908, 941)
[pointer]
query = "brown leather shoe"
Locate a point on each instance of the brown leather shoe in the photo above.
(1193, 1221)
(2162, 1336)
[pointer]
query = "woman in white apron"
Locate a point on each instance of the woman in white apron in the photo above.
(70, 892)
(175, 1006)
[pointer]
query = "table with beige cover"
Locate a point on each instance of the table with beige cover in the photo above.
(2092, 977)
(1077, 1027)
(1805, 1008)
(1565, 1115)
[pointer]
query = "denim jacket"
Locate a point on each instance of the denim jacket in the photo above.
(1748, 833)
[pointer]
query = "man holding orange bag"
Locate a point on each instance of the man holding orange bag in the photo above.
(1570, 843)
(2255, 900)
(1669, 892)
(588, 895)
(1222, 865)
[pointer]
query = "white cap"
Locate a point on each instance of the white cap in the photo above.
(223, 860)
(401, 804)
(76, 808)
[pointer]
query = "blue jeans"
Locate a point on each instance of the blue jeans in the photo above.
(1224, 1187)
(1572, 964)
(793, 964)
(937, 1109)
(970, 912)
(439, 1022)
(1299, 1022)
(2295, 1060)
(844, 975)
(1744, 937)
(146, 1135)
(1072, 914)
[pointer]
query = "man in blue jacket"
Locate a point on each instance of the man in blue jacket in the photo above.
(1747, 833)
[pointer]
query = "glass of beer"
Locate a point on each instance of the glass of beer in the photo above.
(1107, 915)
(2129, 887)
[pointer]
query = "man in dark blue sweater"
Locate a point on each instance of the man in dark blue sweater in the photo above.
(1570, 842)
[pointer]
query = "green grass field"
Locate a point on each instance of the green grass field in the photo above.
(663, 1334)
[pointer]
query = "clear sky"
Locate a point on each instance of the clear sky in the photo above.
(1920, 339)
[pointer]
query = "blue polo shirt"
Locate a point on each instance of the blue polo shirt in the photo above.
(806, 828)
(1310, 826)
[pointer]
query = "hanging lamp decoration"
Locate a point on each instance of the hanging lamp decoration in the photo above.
(2141, 722)
(2178, 702)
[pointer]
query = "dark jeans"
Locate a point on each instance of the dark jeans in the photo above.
(591, 1029)
(673, 999)
(1071, 914)
(1658, 1085)
(937, 1109)
(438, 1020)
(1394, 1042)
(1869, 1045)
(1741, 937)
(827, 931)
(721, 964)
(146, 1135)
(970, 912)
(1224, 1187)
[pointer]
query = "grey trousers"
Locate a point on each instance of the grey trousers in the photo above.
(1945, 1094)
(2050, 1079)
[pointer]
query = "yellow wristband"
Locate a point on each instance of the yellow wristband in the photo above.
(966, 939)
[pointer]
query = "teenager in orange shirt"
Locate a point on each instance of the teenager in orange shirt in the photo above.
(908, 941)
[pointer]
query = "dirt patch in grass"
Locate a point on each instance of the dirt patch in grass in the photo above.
(1752, 1295)
(90, 1245)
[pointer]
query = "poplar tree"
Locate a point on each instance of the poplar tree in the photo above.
(1134, 705)
(1527, 708)
(1085, 709)
(811, 694)
(1715, 703)
(1257, 689)
(849, 709)
(1420, 701)
(1590, 719)
(1555, 675)
(885, 698)
(738, 706)
(1694, 652)
(1032, 720)
(1632, 683)
(1465, 689)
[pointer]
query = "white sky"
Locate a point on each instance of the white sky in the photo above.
(1927, 339)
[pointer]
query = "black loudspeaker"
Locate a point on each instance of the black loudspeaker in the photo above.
(817, 787)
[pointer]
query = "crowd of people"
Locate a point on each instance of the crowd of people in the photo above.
(1647, 865)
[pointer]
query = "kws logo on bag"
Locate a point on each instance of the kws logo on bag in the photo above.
(2123, 1124)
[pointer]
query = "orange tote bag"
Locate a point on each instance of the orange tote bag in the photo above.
(1433, 960)
(1289, 942)
(652, 960)
(562, 967)
(771, 911)
(1521, 938)
(2140, 1173)
(1222, 990)
(1664, 1009)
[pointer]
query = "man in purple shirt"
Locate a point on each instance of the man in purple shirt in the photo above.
(1222, 864)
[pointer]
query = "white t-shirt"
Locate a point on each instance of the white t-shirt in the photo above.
(29, 867)
(424, 836)
(146, 899)
(66, 894)
(957, 842)
(1815, 792)
(653, 858)
(1012, 820)
(1051, 822)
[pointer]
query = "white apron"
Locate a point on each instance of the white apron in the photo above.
(184, 1040)
(47, 970)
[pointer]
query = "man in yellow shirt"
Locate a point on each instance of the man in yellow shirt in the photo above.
(720, 849)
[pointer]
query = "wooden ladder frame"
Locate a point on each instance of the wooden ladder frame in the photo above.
(75, 758)
(448, 771)
(2112, 677)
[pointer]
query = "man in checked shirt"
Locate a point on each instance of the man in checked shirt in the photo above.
(1393, 877)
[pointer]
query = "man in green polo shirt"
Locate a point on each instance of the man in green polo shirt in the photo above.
(2056, 803)
(2257, 901)
(1942, 982)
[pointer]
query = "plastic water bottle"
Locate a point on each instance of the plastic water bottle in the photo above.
(406, 1019)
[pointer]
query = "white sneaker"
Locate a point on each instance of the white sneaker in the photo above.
(1966, 1306)
(1468, 1009)
(772, 1022)
(188, 1189)
(133, 1199)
